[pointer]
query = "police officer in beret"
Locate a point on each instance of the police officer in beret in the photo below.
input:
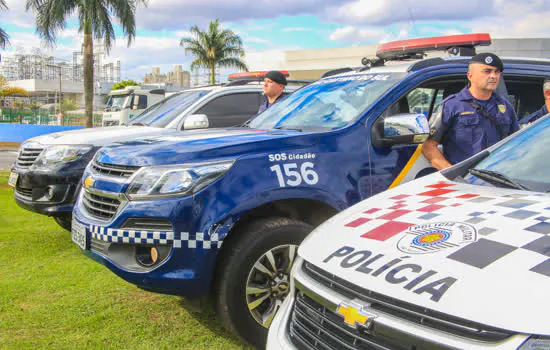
(274, 84)
(473, 119)
(544, 109)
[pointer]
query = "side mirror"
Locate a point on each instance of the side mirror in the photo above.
(196, 121)
(400, 129)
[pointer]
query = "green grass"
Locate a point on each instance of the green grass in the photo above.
(51, 295)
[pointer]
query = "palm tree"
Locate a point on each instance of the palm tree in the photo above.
(95, 21)
(4, 37)
(213, 48)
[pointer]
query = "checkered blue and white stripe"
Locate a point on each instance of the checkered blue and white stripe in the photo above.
(185, 239)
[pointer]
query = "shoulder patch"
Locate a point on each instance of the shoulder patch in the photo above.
(502, 108)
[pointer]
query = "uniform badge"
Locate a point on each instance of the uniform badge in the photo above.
(488, 60)
(502, 108)
(432, 131)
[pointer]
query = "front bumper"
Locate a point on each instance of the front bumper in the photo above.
(47, 192)
(186, 270)
(321, 325)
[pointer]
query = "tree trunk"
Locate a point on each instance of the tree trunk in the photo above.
(213, 75)
(88, 76)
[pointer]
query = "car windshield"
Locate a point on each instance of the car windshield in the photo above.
(326, 104)
(519, 161)
(118, 102)
(162, 113)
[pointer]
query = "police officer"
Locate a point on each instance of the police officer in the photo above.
(544, 110)
(473, 119)
(274, 84)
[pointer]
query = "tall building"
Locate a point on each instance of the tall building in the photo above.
(177, 78)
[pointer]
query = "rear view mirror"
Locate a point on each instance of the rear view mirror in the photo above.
(196, 121)
(400, 129)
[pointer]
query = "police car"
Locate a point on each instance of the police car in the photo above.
(221, 212)
(47, 171)
(458, 259)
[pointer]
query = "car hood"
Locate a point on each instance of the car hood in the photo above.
(475, 252)
(98, 136)
(202, 145)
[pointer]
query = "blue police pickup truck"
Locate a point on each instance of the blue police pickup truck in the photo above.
(220, 212)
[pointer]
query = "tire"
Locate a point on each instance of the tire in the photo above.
(236, 272)
(64, 221)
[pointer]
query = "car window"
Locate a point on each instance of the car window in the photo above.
(162, 113)
(327, 103)
(520, 158)
(525, 95)
(231, 110)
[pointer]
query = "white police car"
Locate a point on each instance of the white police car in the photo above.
(458, 259)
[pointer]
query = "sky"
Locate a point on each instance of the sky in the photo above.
(269, 28)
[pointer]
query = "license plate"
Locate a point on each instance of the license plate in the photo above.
(12, 181)
(78, 234)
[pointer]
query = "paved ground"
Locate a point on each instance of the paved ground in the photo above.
(7, 157)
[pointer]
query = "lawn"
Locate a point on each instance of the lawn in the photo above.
(51, 295)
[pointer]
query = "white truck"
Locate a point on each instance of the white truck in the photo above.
(126, 104)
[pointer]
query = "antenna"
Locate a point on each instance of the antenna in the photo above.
(412, 20)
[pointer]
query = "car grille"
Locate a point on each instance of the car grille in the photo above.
(313, 326)
(27, 156)
(100, 207)
(114, 170)
(24, 192)
(406, 311)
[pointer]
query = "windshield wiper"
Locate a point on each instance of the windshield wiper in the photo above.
(495, 177)
(138, 124)
(281, 127)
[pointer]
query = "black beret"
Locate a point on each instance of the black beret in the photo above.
(276, 76)
(489, 59)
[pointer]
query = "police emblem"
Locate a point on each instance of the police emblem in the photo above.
(502, 108)
(488, 60)
(431, 238)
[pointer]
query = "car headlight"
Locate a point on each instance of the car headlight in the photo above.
(536, 343)
(60, 154)
(174, 180)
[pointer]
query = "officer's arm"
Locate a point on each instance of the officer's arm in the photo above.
(515, 124)
(430, 150)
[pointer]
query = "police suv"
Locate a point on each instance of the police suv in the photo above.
(221, 212)
(457, 260)
(47, 171)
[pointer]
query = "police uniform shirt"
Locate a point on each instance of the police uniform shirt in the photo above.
(534, 116)
(265, 103)
(464, 131)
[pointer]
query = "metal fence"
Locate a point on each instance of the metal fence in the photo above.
(18, 116)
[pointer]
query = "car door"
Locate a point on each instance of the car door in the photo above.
(231, 109)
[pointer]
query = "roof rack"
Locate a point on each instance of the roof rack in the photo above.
(259, 80)
(332, 72)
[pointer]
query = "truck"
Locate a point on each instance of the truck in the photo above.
(46, 174)
(439, 271)
(125, 104)
(220, 213)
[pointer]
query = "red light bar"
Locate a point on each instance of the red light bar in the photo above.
(252, 75)
(439, 43)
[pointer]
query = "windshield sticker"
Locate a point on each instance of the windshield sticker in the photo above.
(430, 238)
(412, 277)
(367, 77)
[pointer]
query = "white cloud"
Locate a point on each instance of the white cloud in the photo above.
(296, 29)
(385, 12)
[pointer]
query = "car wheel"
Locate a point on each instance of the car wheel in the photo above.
(64, 221)
(253, 276)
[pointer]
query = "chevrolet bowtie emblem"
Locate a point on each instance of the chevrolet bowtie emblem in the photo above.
(88, 182)
(355, 315)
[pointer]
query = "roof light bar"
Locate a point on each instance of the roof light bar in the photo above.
(258, 75)
(439, 43)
